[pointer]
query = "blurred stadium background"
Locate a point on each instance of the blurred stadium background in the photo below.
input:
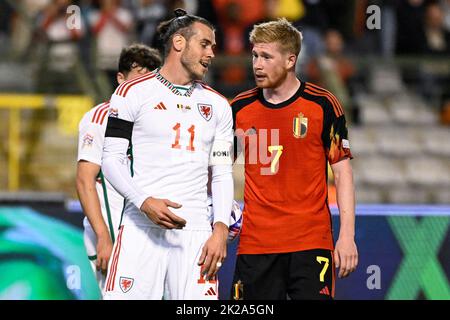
(393, 80)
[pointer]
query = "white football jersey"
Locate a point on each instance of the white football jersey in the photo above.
(172, 138)
(90, 147)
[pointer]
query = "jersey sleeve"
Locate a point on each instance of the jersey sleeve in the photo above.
(123, 112)
(237, 104)
(222, 147)
(221, 166)
(335, 139)
(225, 126)
(124, 106)
(90, 140)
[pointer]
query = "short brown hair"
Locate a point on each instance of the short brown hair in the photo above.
(281, 31)
(140, 55)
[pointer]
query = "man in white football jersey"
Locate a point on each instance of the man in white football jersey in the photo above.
(177, 127)
(102, 204)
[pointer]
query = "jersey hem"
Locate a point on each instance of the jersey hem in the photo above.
(285, 250)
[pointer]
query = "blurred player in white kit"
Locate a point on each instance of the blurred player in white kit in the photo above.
(101, 203)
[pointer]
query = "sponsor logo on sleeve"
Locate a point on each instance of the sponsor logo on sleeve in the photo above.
(221, 153)
(345, 144)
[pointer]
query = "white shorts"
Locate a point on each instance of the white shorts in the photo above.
(90, 243)
(154, 263)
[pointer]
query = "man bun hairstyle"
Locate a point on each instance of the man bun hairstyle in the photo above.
(181, 24)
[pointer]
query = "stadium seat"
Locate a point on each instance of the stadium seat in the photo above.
(381, 171)
(15, 77)
(361, 141)
(374, 113)
(397, 141)
(385, 80)
(436, 141)
(427, 171)
(441, 195)
(407, 194)
(410, 109)
(368, 195)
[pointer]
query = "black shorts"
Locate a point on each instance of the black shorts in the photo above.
(297, 275)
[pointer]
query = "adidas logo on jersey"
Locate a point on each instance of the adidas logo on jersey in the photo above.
(325, 291)
(160, 106)
(211, 292)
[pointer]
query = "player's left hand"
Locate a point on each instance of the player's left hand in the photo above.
(214, 251)
(346, 256)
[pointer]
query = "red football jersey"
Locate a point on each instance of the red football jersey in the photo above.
(287, 147)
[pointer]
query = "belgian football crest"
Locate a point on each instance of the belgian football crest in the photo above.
(126, 284)
(205, 110)
(300, 126)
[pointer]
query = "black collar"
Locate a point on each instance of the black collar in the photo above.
(283, 104)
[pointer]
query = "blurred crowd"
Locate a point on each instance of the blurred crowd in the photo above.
(334, 31)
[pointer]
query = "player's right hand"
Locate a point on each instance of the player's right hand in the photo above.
(104, 250)
(158, 211)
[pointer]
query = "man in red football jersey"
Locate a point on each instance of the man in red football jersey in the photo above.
(290, 130)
